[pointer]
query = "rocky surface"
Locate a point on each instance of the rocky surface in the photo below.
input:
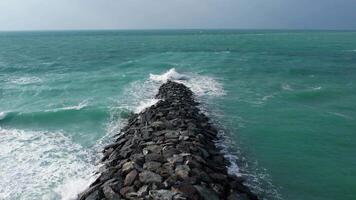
(167, 152)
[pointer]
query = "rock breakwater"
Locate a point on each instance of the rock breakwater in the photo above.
(167, 152)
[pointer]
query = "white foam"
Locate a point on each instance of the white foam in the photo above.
(145, 104)
(199, 84)
(71, 187)
(169, 75)
(341, 115)
(316, 88)
(287, 87)
(3, 115)
(204, 86)
(26, 80)
(35, 163)
(80, 106)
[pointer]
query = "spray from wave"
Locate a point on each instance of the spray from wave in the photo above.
(33, 163)
(200, 85)
(3, 115)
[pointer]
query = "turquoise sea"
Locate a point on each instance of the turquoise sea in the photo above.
(285, 102)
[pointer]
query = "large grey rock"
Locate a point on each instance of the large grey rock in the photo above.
(161, 194)
(152, 166)
(110, 194)
(150, 177)
(130, 177)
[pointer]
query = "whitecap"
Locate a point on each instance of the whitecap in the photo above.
(287, 87)
(80, 106)
(199, 84)
(35, 163)
(169, 75)
(222, 52)
(316, 88)
(265, 98)
(3, 115)
(26, 80)
(341, 115)
(145, 104)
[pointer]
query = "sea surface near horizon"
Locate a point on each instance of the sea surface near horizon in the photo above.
(283, 100)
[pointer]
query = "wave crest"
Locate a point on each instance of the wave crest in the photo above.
(171, 74)
(199, 84)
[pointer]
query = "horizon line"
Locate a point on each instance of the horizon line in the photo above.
(175, 29)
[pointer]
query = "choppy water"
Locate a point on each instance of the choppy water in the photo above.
(285, 101)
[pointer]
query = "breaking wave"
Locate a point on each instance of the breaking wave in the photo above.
(35, 163)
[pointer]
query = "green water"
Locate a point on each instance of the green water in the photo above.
(286, 99)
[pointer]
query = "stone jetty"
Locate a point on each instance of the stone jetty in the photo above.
(167, 152)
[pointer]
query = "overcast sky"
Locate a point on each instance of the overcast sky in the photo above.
(166, 14)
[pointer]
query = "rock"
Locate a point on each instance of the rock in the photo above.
(205, 193)
(153, 157)
(150, 177)
(161, 194)
(188, 190)
(128, 166)
(110, 194)
(158, 125)
(182, 171)
(176, 159)
(130, 177)
(167, 152)
(152, 165)
(237, 196)
(142, 191)
(93, 196)
(172, 135)
(218, 177)
(125, 190)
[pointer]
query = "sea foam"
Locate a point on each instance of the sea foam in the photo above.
(36, 163)
(169, 75)
(3, 115)
(26, 80)
(201, 85)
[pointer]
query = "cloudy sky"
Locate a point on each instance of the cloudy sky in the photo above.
(166, 14)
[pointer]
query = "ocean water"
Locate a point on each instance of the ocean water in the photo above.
(284, 102)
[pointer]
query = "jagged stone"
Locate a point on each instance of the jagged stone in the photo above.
(110, 194)
(143, 191)
(130, 177)
(166, 152)
(182, 171)
(152, 166)
(150, 177)
(161, 194)
(128, 166)
(206, 194)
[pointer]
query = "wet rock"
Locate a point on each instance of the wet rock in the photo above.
(166, 152)
(188, 190)
(93, 196)
(205, 193)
